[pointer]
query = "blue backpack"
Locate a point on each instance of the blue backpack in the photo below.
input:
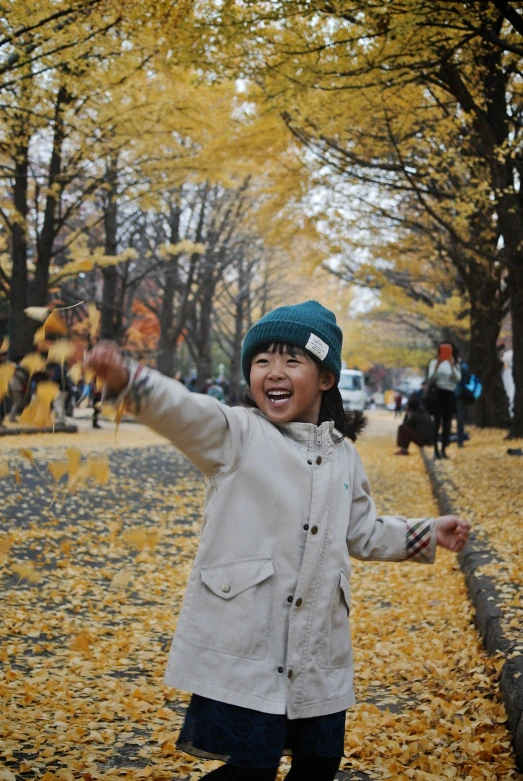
(470, 387)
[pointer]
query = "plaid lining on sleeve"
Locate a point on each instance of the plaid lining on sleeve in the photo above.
(419, 540)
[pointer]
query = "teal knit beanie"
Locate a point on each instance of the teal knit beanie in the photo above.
(308, 325)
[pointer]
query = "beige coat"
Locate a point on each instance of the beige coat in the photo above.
(264, 619)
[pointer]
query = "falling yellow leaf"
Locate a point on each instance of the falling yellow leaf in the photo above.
(26, 453)
(26, 571)
(75, 372)
(37, 312)
(136, 538)
(60, 351)
(6, 372)
(33, 362)
(5, 545)
(122, 579)
(55, 325)
(16, 475)
(39, 336)
(74, 456)
(98, 468)
(94, 319)
(4, 468)
(89, 375)
(4, 347)
(58, 469)
(46, 392)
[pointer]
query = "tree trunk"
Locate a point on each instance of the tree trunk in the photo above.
(47, 235)
(166, 362)
(492, 408)
(203, 340)
(110, 274)
(516, 426)
(20, 331)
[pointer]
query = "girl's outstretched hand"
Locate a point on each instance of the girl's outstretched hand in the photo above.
(106, 360)
(452, 532)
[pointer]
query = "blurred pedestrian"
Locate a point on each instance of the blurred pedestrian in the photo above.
(417, 427)
(443, 375)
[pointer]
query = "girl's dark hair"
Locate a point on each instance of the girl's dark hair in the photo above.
(349, 424)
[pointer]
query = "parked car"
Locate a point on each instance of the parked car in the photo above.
(352, 389)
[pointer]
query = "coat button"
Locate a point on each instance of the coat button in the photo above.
(299, 602)
(289, 674)
(314, 530)
(280, 669)
(318, 460)
(306, 527)
(226, 588)
(289, 599)
(309, 462)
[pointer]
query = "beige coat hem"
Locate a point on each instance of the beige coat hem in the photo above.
(205, 689)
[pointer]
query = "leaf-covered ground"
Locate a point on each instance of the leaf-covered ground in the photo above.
(89, 598)
(485, 483)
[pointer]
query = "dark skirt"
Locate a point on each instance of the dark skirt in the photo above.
(248, 738)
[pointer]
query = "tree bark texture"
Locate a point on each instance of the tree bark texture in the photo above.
(20, 333)
(110, 274)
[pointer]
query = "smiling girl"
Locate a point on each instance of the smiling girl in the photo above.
(263, 639)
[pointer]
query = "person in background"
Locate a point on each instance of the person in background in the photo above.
(398, 401)
(57, 374)
(444, 373)
(417, 427)
(215, 389)
(460, 399)
(18, 390)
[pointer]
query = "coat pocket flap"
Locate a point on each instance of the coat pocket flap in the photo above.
(345, 590)
(230, 579)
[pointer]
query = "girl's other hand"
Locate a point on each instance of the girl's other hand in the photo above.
(106, 360)
(452, 532)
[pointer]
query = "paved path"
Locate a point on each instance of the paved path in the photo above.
(83, 649)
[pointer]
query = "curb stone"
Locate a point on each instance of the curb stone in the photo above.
(58, 429)
(486, 599)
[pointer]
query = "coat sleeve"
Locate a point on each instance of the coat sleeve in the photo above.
(385, 537)
(212, 435)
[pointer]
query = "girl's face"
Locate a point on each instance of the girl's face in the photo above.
(288, 387)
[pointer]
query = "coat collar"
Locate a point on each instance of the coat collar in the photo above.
(325, 434)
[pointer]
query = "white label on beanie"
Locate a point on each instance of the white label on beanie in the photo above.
(317, 347)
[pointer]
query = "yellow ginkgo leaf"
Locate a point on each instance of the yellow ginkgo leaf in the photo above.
(4, 347)
(46, 392)
(60, 351)
(39, 336)
(89, 375)
(5, 546)
(55, 325)
(6, 372)
(137, 538)
(75, 372)
(74, 457)
(26, 571)
(4, 468)
(98, 469)
(94, 319)
(58, 469)
(33, 362)
(37, 312)
(122, 579)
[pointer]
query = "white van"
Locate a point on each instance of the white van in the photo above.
(352, 389)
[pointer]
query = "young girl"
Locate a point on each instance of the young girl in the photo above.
(263, 641)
